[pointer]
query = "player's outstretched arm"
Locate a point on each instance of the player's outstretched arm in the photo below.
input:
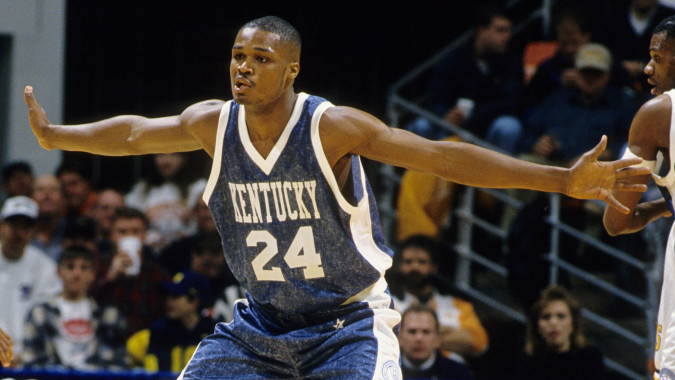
(117, 136)
(356, 132)
(6, 350)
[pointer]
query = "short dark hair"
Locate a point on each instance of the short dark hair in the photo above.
(278, 26)
(13, 167)
(126, 212)
(421, 308)
(486, 13)
(423, 242)
(666, 25)
(76, 252)
(75, 166)
(80, 227)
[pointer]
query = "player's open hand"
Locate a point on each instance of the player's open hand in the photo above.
(593, 179)
(37, 117)
(6, 350)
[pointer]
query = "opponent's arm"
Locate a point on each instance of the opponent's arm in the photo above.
(128, 134)
(349, 131)
(649, 131)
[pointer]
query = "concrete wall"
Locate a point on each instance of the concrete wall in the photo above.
(37, 55)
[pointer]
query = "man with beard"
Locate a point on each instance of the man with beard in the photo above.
(416, 269)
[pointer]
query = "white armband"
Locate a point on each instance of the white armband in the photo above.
(651, 164)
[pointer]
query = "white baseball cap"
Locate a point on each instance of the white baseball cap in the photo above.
(19, 206)
(593, 56)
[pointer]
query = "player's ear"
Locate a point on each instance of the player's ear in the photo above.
(294, 69)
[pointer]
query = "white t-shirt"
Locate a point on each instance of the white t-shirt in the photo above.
(24, 283)
(76, 332)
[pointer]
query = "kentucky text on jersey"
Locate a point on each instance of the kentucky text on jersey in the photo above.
(253, 202)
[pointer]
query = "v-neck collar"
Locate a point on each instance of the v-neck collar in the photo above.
(266, 164)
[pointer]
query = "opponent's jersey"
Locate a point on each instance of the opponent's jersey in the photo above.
(289, 235)
(664, 358)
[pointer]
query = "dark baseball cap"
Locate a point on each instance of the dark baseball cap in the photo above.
(190, 284)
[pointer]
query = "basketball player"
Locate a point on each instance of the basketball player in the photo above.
(652, 131)
(298, 221)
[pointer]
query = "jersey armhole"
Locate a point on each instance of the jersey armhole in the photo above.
(218, 154)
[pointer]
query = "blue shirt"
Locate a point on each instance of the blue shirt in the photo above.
(578, 127)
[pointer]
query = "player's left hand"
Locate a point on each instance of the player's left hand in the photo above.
(593, 179)
(6, 351)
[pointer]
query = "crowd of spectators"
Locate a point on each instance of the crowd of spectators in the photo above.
(106, 279)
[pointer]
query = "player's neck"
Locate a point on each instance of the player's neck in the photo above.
(266, 125)
(268, 120)
(73, 296)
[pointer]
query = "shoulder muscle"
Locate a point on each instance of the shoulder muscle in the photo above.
(201, 120)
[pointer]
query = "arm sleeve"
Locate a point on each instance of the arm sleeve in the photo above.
(469, 320)
(137, 347)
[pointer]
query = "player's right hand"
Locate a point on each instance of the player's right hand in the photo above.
(37, 118)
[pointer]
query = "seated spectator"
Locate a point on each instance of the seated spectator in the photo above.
(71, 330)
(207, 259)
(176, 256)
(129, 277)
(573, 30)
(420, 340)
(555, 346)
(81, 230)
(107, 202)
(415, 270)
(170, 342)
(572, 120)
(478, 86)
(163, 198)
(75, 178)
(51, 222)
(17, 179)
(27, 275)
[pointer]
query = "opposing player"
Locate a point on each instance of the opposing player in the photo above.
(298, 221)
(652, 132)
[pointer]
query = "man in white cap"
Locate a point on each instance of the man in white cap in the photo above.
(568, 121)
(27, 275)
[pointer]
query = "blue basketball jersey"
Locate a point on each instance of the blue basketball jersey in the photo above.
(289, 235)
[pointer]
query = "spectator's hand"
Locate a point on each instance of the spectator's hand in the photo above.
(120, 262)
(455, 116)
(6, 350)
(569, 78)
(546, 146)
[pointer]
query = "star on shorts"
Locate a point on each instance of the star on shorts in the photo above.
(339, 324)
